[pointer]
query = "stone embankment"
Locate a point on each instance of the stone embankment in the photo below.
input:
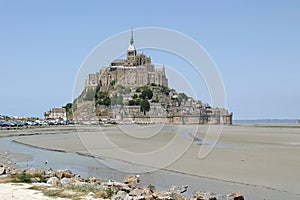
(65, 184)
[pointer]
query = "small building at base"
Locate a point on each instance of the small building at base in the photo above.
(56, 113)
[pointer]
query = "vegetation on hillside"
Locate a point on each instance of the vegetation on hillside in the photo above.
(141, 96)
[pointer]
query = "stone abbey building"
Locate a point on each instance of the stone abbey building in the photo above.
(136, 70)
(124, 105)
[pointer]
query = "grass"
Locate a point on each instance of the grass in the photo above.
(73, 192)
(22, 178)
(58, 192)
(7, 179)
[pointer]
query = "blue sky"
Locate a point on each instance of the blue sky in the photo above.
(255, 45)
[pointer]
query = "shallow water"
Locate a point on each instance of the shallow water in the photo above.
(162, 179)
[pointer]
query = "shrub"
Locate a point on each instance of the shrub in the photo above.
(23, 178)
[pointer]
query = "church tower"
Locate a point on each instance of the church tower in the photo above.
(131, 51)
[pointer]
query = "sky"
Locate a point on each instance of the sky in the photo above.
(254, 44)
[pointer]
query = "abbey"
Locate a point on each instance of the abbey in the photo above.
(134, 90)
(135, 70)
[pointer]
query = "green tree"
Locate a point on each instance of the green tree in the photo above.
(69, 110)
(165, 90)
(147, 93)
(138, 89)
(182, 96)
(102, 98)
(113, 82)
(145, 106)
(135, 96)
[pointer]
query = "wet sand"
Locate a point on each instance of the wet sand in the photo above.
(262, 157)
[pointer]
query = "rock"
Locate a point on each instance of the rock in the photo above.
(136, 192)
(102, 194)
(63, 174)
(66, 181)
(148, 197)
(35, 180)
(159, 195)
(151, 188)
(92, 179)
(49, 173)
(178, 190)
(12, 171)
(121, 195)
(148, 190)
(139, 198)
(121, 186)
(71, 181)
(107, 184)
(132, 180)
(80, 184)
(236, 196)
(205, 196)
(34, 172)
(91, 194)
(54, 181)
(2, 170)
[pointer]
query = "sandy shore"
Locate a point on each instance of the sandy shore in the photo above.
(12, 191)
(263, 157)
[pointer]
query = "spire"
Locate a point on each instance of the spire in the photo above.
(131, 45)
(131, 36)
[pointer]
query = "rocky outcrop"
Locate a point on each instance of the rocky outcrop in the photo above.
(54, 181)
(63, 174)
(129, 189)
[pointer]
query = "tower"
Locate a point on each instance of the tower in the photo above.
(131, 51)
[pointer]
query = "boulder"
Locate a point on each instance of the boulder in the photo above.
(236, 196)
(205, 196)
(63, 174)
(132, 180)
(34, 172)
(148, 197)
(91, 194)
(160, 195)
(148, 190)
(121, 195)
(2, 170)
(92, 179)
(136, 192)
(178, 190)
(49, 173)
(12, 171)
(35, 180)
(102, 194)
(66, 181)
(142, 197)
(54, 181)
(121, 186)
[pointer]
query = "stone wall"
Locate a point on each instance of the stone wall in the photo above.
(223, 119)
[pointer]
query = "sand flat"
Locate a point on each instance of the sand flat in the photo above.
(262, 156)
